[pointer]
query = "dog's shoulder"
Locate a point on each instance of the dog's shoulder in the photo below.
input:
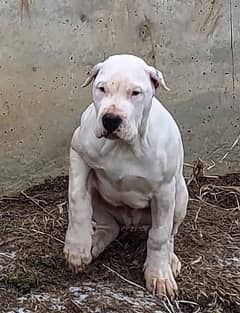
(88, 116)
(162, 125)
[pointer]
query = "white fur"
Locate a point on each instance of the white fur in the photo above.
(135, 179)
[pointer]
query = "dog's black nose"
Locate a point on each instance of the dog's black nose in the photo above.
(111, 122)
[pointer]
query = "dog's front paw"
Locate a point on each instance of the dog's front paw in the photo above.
(77, 255)
(160, 281)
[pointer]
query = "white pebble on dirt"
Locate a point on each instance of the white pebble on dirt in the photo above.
(56, 303)
(137, 300)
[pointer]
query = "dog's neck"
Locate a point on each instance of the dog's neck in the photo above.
(138, 145)
(141, 143)
(143, 127)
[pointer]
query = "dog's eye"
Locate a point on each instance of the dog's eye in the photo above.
(135, 93)
(102, 89)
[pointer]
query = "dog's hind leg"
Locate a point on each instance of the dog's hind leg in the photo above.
(181, 200)
(106, 228)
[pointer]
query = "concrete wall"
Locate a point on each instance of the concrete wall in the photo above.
(196, 43)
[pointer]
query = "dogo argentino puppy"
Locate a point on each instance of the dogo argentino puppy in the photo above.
(126, 168)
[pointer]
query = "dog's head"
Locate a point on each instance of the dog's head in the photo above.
(123, 87)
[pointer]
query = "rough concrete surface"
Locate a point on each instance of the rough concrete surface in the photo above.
(44, 59)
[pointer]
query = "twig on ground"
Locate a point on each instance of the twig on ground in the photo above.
(40, 200)
(178, 307)
(231, 148)
(196, 261)
(9, 255)
(215, 190)
(229, 188)
(35, 201)
(167, 308)
(187, 302)
(44, 234)
(4, 242)
(211, 176)
(48, 235)
(211, 166)
(198, 167)
(123, 278)
(5, 198)
(196, 216)
(76, 304)
(198, 199)
(60, 207)
(188, 165)
(169, 305)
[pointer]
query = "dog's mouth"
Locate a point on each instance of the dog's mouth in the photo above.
(108, 135)
(111, 136)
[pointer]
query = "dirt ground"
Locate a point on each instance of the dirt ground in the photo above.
(34, 277)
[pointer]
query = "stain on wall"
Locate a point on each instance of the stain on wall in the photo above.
(45, 58)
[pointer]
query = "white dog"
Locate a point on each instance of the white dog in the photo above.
(126, 168)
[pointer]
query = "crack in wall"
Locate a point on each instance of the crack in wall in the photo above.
(25, 7)
(153, 52)
(232, 50)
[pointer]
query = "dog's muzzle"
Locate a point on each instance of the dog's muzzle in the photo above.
(111, 122)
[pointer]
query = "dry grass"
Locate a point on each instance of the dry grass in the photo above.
(33, 225)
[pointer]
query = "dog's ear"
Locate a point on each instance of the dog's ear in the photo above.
(92, 74)
(157, 78)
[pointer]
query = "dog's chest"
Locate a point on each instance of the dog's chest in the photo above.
(134, 192)
(123, 178)
(121, 166)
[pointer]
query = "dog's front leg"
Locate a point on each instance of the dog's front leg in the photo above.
(158, 274)
(78, 240)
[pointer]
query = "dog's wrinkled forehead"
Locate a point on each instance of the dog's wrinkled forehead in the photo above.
(131, 67)
(124, 61)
